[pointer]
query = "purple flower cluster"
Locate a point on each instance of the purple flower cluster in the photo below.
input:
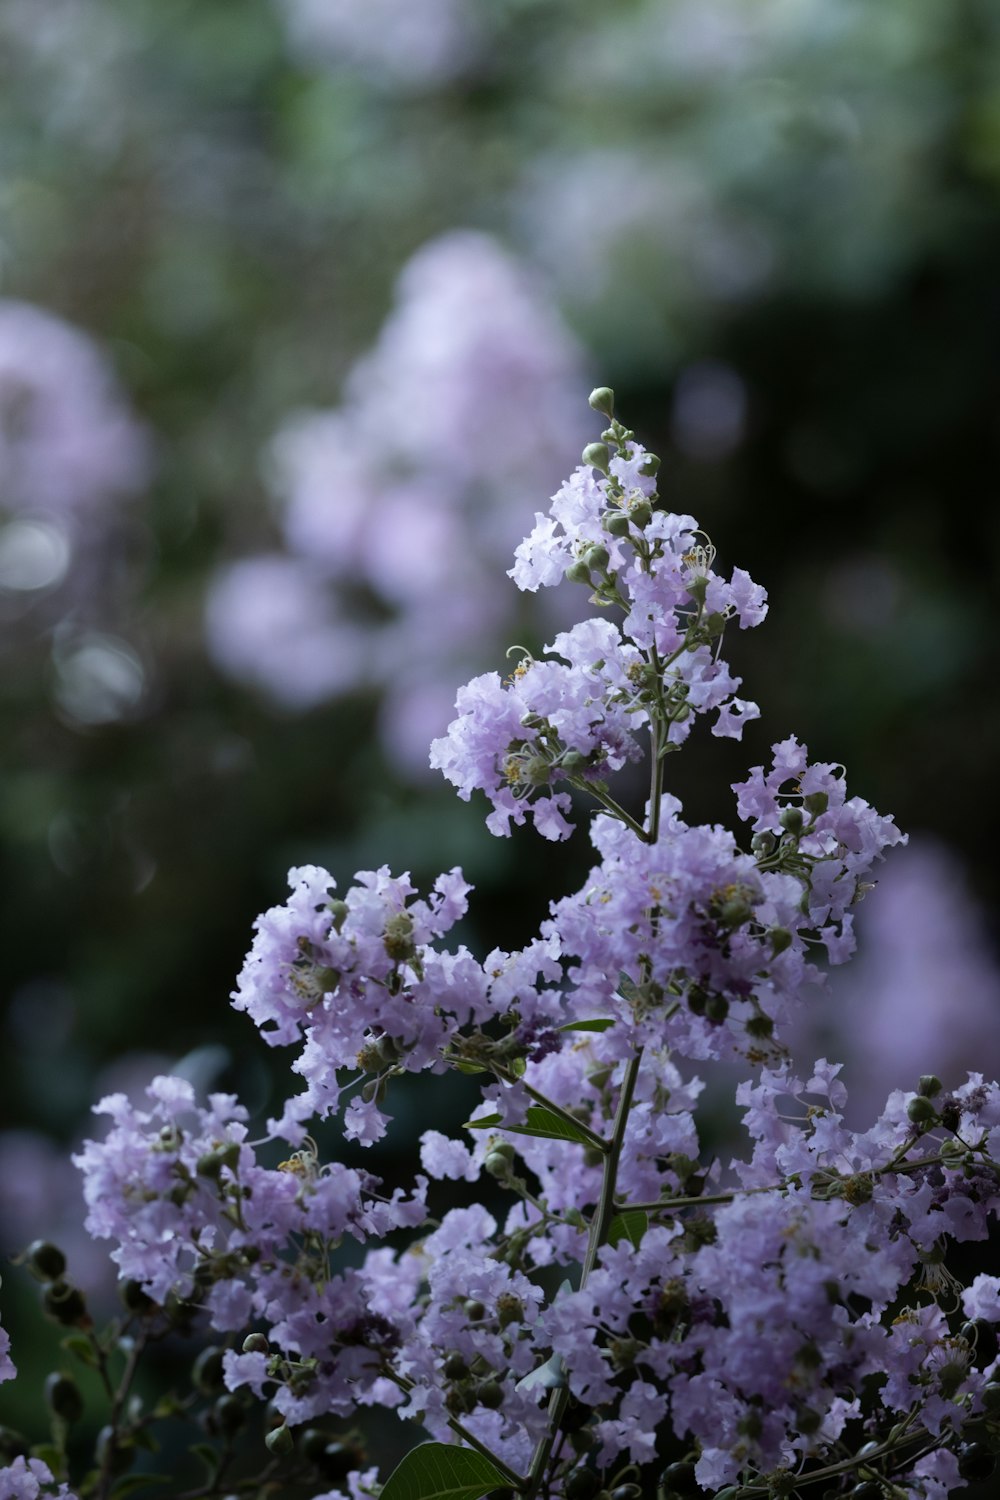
(31, 1479)
(794, 1316)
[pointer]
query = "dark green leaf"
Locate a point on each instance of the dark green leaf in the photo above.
(631, 1226)
(208, 1456)
(80, 1345)
(438, 1471)
(539, 1122)
(597, 1025)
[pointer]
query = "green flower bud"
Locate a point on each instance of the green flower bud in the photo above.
(697, 1000)
(598, 456)
(976, 1461)
(455, 1367)
(398, 938)
(680, 1477)
(206, 1373)
(573, 762)
(615, 523)
(763, 843)
(650, 465)
(279, 1441)
(780, 939)
(734, 912)
(510, 1309)
(211, 1163)
(640, 513)
(716, 1008)
(474, 1310)
(63, 1396)
(597, 557)
(230, 1413)
(921, 1112)
(256, 1343)
(338, 912)
(791, 820)
(602, 399)
(134, 1298)
(929, 1085)
(578, 572)
(497, 1164)
(582, 1484)
(760, 1026)
(816, 802)
(45, 1260)
(490, 1395)
(697, 587)
(991, 1398)
(65, 1303)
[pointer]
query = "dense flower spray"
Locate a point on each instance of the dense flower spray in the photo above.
(640, 1320)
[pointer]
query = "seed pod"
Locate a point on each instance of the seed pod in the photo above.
(602, 399)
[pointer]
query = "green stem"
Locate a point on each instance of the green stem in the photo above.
(598, 1234)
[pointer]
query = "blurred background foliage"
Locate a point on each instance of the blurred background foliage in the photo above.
(300, 302)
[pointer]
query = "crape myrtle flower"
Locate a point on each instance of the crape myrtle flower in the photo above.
(31, 1479)
(359, 981)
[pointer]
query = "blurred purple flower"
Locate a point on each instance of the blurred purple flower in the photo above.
(417, 46)
(921, 992)
(401, 509)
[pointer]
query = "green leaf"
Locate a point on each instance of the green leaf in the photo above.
(597, 1025)
(439, 1471)
(80, 1345)
(541, 1123)
(135, 1482)
(52, 1456)
(208, 1456)
(631, 1226)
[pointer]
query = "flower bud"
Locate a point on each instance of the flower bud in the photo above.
(45, 1260)
(474, 1310)
(921, 1112)
(490, 1395)
(134, 1298)
(762, 843)
(279, 1441)
(455, 1368)
(680, 1477)
(206, 1373)
(780, 939)
(929, 1085)
(510, 1309)
(398, 938)
(716, 1008)
(65, 1303)
(615, 523)
(598, 456)
(211, 1163)
(256, 1343)
(338, 912)
(816, 802)
(791, 820)
(497, 1164)
(582, 1484)
(640, 513)
(578, 572)
(229, 1412)
(597, 557)
(735, 912)
(63, 1397)
(602, 399)
(573, 762)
